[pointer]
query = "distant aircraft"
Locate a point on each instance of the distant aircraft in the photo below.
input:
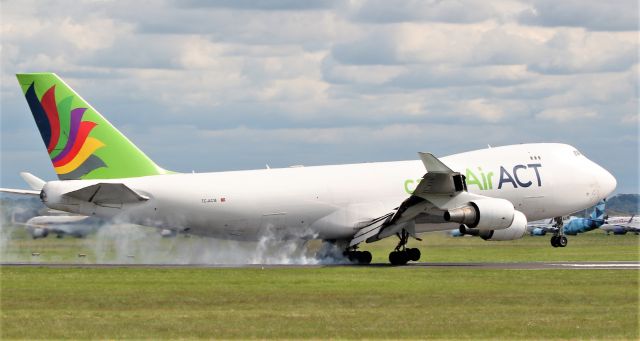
(457, 233)
(541, 227)
(490, 192)
(622, 225)
(570, 225)
(61, 225)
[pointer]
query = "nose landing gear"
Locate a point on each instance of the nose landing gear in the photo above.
(559, 239)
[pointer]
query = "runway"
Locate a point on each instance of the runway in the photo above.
(614, 265)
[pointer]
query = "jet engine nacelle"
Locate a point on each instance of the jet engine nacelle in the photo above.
(166, 233)
(39, 232)
(484, 214)
(516, 230)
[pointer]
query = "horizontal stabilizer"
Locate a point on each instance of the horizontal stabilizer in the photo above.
(107, 193)
(19, 191)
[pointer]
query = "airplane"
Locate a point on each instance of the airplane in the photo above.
(571, 225)
(541, 227)
(54, 221)
(61, 225)
(622, 225)
(491, 191)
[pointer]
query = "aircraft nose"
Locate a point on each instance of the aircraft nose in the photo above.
(606, 181)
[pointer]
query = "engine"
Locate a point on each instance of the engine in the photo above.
(515, 231)
(484, 214)
(39, 232)
(166, 233)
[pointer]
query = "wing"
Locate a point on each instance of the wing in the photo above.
(440, 190)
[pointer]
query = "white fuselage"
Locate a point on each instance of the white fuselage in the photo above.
(541, 180)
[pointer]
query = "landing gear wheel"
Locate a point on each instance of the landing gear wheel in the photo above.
(398, 258)
(360, 257)
(562, 241)
(413, 254)
(559, 239)
(401, 255)
(351, 255)
(364, 257)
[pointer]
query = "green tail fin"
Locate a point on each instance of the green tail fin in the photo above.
(81, 143)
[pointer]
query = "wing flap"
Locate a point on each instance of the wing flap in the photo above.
(439, 189)
(107, 193)
(369, 229)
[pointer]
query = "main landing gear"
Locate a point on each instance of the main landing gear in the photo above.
(559, 239)
(360, 257)
(401, 255)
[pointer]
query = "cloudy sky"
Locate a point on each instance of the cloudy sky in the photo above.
(225, 85)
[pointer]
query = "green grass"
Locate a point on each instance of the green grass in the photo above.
(333, 302)
(330, 302)
(592, 246)
(436, 247)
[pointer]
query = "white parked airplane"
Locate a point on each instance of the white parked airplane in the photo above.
(622, 225)
(77, 226)
(494, 190)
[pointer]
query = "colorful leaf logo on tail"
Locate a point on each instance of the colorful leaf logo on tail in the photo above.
(69, 145)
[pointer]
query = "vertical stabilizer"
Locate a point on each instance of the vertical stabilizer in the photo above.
(598, 211)
(80, 142)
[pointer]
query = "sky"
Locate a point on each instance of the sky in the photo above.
(229, 85)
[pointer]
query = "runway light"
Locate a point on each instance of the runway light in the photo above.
(35, 254)
(81, 255)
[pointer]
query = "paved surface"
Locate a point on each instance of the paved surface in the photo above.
(505, 266)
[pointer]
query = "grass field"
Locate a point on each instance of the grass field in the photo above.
(436, 247)
(331, 302)
(358, 302)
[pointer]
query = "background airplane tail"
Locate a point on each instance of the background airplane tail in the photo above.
(81, 143)
(598, 211)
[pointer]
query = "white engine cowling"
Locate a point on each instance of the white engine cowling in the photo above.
(515, 231)
(166, 233)
(484, 214)
(39, 232)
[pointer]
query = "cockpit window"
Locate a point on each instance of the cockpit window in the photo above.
(577, 153)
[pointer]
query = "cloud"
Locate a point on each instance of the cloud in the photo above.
(380, 11)
(566, 114)
(442, 76)
(574, 51)
(620, 15)
(268, 5)
(324, 82)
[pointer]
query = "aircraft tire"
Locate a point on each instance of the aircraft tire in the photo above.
(364, 257)
(353, 256)
(398, 258)
(413, 254)
(562, 241)
(554, 241)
